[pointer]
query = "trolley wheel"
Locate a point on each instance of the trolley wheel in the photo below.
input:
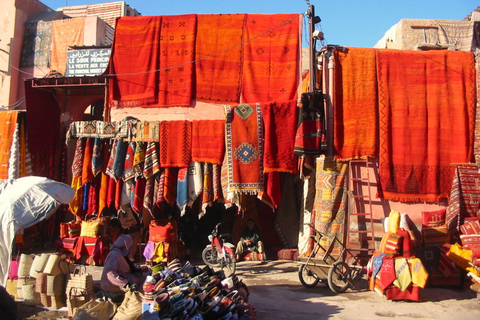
(307, 277)
(339, 276)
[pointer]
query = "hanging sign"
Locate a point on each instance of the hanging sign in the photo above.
(87, 62)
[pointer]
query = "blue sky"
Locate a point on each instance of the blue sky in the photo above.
(354, 23)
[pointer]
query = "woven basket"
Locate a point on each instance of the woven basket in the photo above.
(76, 298)
(56, 285)
(26, 262)
(30, 297)
(57, 302)
(53, 265)
(40, 262)
(45, 300)
(20, 282)
(41, 283)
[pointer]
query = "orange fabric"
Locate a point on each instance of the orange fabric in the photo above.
(65, 33)
(134, 53)
(8, 119)
(355, 116)
(87, 173)
(426, 106)
(218, 57)
(271, 57)
(175, 143)
(208, 141)
(177, 45)
(170, 186)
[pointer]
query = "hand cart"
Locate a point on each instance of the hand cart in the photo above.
(339, 275)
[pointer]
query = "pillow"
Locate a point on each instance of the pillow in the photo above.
(393, 245)
(393, 221)
(434, 218)
(446, 266)
(471, 241)
(470, 228)
(435, 236)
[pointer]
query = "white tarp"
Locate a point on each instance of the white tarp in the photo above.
(23, 203)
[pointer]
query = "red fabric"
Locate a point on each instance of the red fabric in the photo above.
(87, 173)
(271, 57)
(273, 191)
(111, 193)
(434, 218)
(279, 119)
(426, 102)
(218, 57)
(138, 196)
(308, 137)
(387, 272)
(407, 245)
(355, 116)
(470, 228)
(93, 198)
(446, 266)
(170, 186)
(412, 293)
(175, 143)
(208, 141)
(470, 241)
(135, 51)
(118, 193)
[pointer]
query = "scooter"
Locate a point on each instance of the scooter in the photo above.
(219, 253)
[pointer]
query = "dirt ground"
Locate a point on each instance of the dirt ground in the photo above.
(276, 293)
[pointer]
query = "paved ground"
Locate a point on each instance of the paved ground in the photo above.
(276, 293)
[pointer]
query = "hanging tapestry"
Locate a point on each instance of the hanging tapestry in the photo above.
(97, 156)
(138, 159)
(271, 57)
(138, 196)
(355, 114)
(175, 143)
(216, 181)
(170, 186)
(426, 102)
(182, 190)
(310, 114)
(160, 188)
(87, 173)
(8, 119)
(149, 194)
(207, 196)
(244, 148)
(128, 164)
(76, 183)
(272, 193)
(280, 120)
(65, 33)
(195, 182)
(151, 164)
(218, 55)
(134, 60)
(329, 215)
(149, 131)
(208, 141)
(37, 41)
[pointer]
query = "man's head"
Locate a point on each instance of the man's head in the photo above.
(251, 224)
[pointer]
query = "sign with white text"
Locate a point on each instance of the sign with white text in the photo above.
(87, 62)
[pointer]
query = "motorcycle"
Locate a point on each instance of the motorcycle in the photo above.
(219, 253)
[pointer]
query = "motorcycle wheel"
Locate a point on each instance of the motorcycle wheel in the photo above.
(210, 257)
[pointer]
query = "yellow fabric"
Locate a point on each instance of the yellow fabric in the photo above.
(419, 273)
(402, 272)
(90, 229)
(461, 257)
(76, 203)
(393, 221)
(158, 252)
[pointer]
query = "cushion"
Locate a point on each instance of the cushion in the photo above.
(393, 221)
(446, 266)
(434, 218)
(470, 241)
(470, 228)
(393, 244)
(435, 236)
(407, 245)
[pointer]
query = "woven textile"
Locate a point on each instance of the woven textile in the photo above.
(419, 273)
(402, 273)
(207, 195)
(387, 272)
(149, 131)
(138, 159)
(65, 33)
(135, 51)
(160, 188)
(280, 120)
(470, 190)
(170, 186)
(182, 190)
(151, 163)
(330, 201)
(97, 156)
(149, 194)
(244, 148)
(424, 106)
(195, 182)
(208, 141)
(138, 196)
(9, 121)
(77, 163)
(87, 173)
(271, 57)
(308, 136)
(218, 56)
(355, 115)
(128, 164)
(217, 184)
(37, 41)
(175, 143)
(452, 214)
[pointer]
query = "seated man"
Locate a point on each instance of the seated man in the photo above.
(119, 271)
(250, 240)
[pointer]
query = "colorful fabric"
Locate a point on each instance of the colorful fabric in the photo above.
(170, 186)
(103, 193)
(402, 273)
(37, 42)
(208, 141)
(216, 182)
(393, 221)
(414, 165)
(393, 245)
(310, 114)
(177, 46)
(270, 57)
(452, 214)
(160, 194)
(97, 156)
(434, 218)
(446, 266)
(135, 53)
(470, 192)
(195, 182)
(92, 198)
(272, 193)
(377, 263)
(460, 256)
(87, 173)
(14, 160)
(151, 165)
(138, 159)
(77, 201)
(218, 56)
(435, 236)
(65, 33)
(244, 148)
(470, 228)
(207, 195)
(128, 172)
(407, 248)
(138, 196)
(112, 188)
(77, 163)
(387, 272)
(330, 201)
(279, 119)
(419, 273)
(470, 241)
(175, 143)
(355, 114)
(182, 189)
(149, 131)
(149, 194)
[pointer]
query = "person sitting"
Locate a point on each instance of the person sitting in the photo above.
(119, 271)
(251, 240)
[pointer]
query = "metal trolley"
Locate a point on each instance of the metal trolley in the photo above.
(339, 275)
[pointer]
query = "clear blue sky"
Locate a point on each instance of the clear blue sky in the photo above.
(354, 23)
